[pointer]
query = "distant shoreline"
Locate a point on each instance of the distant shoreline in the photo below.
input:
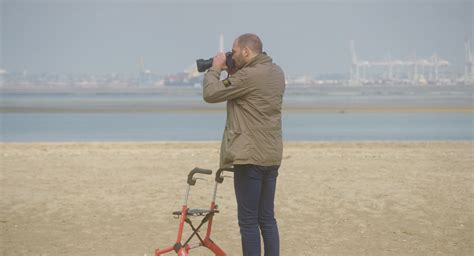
(171, 89)
(325, 99)
(341, 110)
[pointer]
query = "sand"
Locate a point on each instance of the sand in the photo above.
(333, 198)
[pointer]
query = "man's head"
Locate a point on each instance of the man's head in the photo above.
(245, 48)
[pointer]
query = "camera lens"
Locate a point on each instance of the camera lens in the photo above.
(203, 65)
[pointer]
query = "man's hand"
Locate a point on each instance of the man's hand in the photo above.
(219, 61)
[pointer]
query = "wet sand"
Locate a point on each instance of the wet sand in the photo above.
(333, 198)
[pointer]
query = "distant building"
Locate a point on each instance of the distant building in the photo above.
(3, 72)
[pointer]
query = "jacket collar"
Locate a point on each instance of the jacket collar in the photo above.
(259, 59)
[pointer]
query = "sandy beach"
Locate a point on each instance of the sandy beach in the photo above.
(333, 198)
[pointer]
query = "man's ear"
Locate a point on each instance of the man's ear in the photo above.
(246, 51)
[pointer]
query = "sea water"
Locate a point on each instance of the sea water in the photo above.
(181, 114)
(202, 126)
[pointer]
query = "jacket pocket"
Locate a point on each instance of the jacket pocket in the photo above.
(237, 146)
(268, 144)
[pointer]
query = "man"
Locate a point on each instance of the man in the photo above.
(252, 141)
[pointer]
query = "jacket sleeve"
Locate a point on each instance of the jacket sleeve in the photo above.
(215, 90)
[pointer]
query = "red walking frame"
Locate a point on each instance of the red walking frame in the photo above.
(183, 249)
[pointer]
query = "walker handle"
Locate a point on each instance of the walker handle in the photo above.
(219, 178)
(191, 180)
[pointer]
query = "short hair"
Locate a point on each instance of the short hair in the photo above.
(251, 41)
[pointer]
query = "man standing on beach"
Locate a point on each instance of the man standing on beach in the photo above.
(252, 141)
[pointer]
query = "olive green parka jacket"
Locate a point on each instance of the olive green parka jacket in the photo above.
(254, 96)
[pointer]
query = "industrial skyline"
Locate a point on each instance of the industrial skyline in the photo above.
(416, 69)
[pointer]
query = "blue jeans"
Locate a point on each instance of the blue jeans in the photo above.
(255, 192)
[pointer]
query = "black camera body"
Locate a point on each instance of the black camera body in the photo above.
(203, 65)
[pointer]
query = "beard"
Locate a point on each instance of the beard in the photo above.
(239, 62)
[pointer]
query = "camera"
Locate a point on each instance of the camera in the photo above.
(203, 65)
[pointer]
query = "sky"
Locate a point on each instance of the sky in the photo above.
(303, 37)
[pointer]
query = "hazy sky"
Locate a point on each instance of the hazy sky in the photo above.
(304, 37)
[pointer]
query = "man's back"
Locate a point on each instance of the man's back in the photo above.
(262, 104)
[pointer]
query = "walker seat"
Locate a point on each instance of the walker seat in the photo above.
(196, 212)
